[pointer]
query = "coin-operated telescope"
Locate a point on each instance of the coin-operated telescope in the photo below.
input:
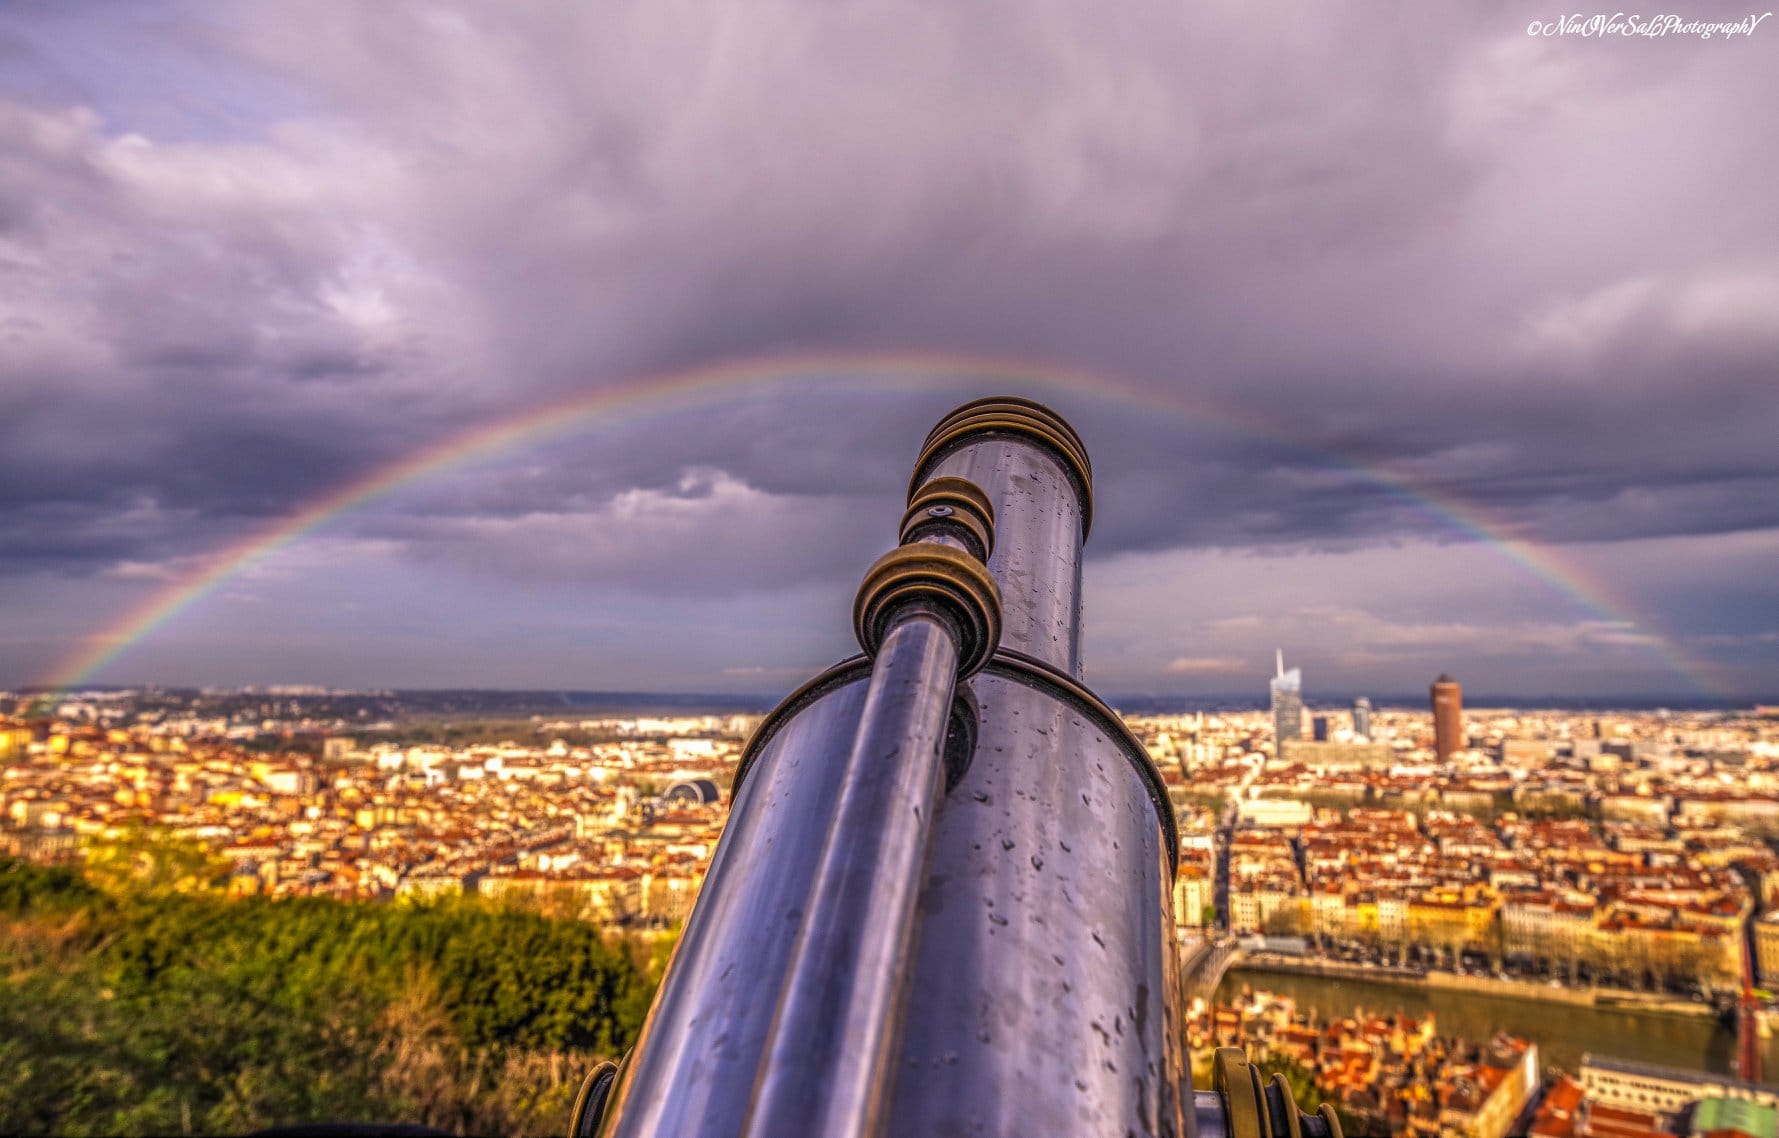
(941, 904)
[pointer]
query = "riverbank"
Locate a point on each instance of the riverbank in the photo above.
(1615, 999)
(1564, 1032)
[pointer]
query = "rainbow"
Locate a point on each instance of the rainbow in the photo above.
(665, 393)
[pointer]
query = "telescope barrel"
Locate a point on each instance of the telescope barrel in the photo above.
(834, 1037)
(942, 902)
(1036, 472)
(833, 1040)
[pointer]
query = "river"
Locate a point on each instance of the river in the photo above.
(1563, 1033)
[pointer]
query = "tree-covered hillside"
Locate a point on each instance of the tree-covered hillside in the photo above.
(129, 1010)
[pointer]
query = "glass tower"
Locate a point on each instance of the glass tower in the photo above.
(1362, 718)
(1287, 703)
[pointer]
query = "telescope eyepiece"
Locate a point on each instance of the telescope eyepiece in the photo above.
(924, 573)
(1010, 415)
(955, 507)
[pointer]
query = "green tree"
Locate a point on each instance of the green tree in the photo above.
(154, 1011)
(142, 861)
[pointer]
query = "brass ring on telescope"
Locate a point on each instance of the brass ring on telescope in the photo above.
(1011, 415)
(938, 575)
(954, 503)
(1281, 1105)
(1244, 1106)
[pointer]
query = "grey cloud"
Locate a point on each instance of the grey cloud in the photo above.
(709, 534)
(277, 252)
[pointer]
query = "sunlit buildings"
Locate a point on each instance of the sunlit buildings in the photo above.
(1766, 949)
(1651, 1089)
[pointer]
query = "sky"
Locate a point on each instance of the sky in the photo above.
(1402, 339)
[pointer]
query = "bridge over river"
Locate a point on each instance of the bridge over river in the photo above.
(1203, 961)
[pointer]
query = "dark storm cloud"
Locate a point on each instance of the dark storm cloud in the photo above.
(276, 251)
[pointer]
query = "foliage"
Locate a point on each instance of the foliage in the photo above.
(156, 1012)
(141, 860)
(27, 888)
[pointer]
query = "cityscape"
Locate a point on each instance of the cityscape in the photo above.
(1448, 919)
(1291, 491)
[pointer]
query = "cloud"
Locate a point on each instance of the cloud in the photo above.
(1426, 259)
(1386, 620)
(1727, 312)
(1206, 665)
(708, 533)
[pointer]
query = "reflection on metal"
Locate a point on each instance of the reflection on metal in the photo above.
(1033, 673)
(951, 505)
(940, 905)
(589, 1104)
(1010, 416)
(950, 582)
(1039, 521)
(827, 1066)
(1065, 687)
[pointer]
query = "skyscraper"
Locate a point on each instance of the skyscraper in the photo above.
(1362, 718)
(1287, 703)
(1448, 717)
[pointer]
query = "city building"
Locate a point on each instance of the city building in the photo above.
(1448, 717)
(1276, 813)
(1287, 703)
(1362, 719)
(1481, 1099)
(1662, 1090)
(1337, 756)
(1558, 1110)
(1194, 892)
(1766, 948)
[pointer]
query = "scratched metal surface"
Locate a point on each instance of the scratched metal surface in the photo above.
(1037, 553)
(1042, 999)
(695, 1064)
(843, 993)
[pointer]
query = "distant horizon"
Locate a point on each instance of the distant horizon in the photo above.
(1134, 702)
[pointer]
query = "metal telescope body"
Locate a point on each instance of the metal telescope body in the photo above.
(941, 903)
